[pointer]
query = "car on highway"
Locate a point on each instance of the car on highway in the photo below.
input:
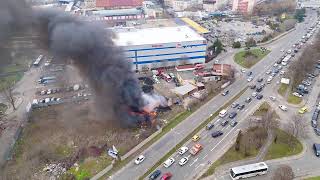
(209, 126)
(240, 107)
(259, 96)
(224, 122)
(166, 176)
(154, 175)
(303, 110)
(297, 94)
(195, 138)
(223, 113)
(248, 100)
(250, 79)
(216, 134)
(140, 159)
(225, 93)
(259, 89)
(232, 115)
(168, 162)
(283, 107)
(253, 86)
(234, 105)
(233, 123)
(195, 149)
(183, 161)
(183, 150)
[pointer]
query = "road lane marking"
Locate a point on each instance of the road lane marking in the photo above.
(194, 161)
(222, 139)
(205, 156)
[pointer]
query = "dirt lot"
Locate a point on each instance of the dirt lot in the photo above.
(55, 135)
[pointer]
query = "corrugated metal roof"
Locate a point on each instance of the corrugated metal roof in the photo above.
(195, 26)
(118, 3)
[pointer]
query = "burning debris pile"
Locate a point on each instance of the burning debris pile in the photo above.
(91, 49)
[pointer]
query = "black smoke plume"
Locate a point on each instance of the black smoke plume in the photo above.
(89, 46)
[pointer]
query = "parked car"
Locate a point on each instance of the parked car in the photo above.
(303, 110)
(139, 160)
(249, 78)
(316, 148)
(240, 107)
(154, 175)
(283, 107)
(272, 98)
(297, 94)
(195, 138)
(166, 176)
(216, 134)
(254, 94)
(232, 115)
(249, 73)
(314, 123)
(317, 131)
(183, 150)
(253, 86)
(248, 100)
(183, 161)
(168, 162)
(233, 123)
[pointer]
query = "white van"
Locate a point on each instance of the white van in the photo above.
(223, 113)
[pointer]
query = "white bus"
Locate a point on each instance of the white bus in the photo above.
(249, 170)
(37, 61)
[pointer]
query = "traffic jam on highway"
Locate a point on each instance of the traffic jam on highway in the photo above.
(195, 152)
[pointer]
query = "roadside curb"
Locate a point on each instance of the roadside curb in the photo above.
(294, 157)
(276, 38)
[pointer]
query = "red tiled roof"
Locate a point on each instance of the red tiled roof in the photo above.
(117, 3)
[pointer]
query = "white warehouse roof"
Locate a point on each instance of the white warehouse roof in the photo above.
(161, 35)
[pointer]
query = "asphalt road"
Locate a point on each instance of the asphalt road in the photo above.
(168, 141)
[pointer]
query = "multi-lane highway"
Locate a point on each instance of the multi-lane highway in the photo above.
(212, 147)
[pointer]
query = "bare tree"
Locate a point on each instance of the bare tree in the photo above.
(283, 172)
(297, 128)
(9, 95)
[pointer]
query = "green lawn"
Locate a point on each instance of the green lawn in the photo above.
(201, 126)
(294, 99)
(281, 148)
(263, 109)
(313, 178)
(283, 89)
(232, 155)
(248, 58)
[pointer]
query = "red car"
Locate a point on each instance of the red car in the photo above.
(166, 176)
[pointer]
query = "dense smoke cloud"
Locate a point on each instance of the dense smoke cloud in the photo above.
(89, 46)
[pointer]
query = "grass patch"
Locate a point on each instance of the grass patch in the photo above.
(232, 155)
(283, 89)
(4, 81)
(3, 108)
(202, 125)
(248, 58)
(313, 178)
(282, 147)
(262, 110)
(294, 99)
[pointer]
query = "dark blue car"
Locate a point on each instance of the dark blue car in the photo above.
(155, 174)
